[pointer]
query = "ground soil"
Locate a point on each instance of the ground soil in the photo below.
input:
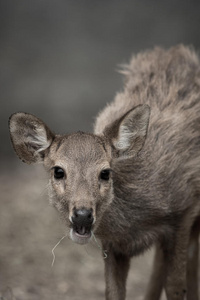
(29, 229)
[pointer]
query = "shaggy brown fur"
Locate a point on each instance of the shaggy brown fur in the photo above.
(135, 182)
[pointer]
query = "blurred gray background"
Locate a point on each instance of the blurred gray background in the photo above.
(58, 60)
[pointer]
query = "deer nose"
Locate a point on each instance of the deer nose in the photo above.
(82, 217)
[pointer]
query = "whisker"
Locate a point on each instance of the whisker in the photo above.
(105, 255)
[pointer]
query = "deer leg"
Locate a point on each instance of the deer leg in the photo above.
(176, 259)
(175, 285)
(156, 282)
(116, 271)
(193, 262)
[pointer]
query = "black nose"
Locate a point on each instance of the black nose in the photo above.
(83, 217)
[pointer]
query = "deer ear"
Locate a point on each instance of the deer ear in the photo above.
(30, 137)
(128, 134)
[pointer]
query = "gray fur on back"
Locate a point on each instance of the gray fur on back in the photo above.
(160, 183)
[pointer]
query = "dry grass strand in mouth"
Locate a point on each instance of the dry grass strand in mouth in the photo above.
(105, 255)
(52, 251)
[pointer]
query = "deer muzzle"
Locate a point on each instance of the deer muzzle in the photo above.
(82, 221)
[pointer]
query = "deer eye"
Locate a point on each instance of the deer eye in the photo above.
(105, 174)
(58, 173)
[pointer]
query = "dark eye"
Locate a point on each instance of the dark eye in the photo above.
(105, 174)
(58, 173)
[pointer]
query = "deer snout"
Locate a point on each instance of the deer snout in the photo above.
(82, 221)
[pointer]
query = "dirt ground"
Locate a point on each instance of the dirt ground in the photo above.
(30, 228)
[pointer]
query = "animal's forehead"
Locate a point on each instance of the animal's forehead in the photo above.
(81, 147)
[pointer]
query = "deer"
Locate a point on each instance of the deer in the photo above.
(135, 181)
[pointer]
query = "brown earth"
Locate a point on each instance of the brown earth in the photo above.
(30, 228)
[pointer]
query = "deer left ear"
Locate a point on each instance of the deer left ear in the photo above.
(128, 134)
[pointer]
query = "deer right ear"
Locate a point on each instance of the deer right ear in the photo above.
(127, 135)
(30, 137)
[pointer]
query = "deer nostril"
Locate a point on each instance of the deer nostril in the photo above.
(75, 214)
(90, 217)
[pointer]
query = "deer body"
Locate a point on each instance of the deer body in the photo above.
(135, 182)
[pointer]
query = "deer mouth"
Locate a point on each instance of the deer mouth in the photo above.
(80, 235)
